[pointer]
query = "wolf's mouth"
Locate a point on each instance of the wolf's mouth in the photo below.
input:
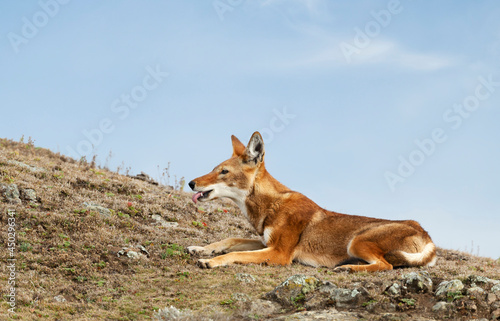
(201, 196)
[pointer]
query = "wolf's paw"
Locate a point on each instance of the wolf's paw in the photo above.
(205, 264)
(197, 250)
(344, 268)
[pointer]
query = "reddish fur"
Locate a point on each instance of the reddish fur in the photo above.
(301, 230)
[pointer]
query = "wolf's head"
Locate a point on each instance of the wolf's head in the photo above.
(234, 177)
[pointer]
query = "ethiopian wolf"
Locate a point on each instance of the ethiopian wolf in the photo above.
(294, 228)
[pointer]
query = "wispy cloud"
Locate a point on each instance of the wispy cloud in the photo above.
(378, 53)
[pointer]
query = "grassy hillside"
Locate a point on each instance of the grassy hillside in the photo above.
(93, 244)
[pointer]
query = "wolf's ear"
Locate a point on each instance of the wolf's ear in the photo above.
(255, 149)
(238, 147)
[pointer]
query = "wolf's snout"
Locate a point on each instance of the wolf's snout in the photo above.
(192, 184)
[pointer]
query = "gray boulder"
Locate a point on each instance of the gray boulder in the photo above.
(293, 290)
(10, 192)
(418, 282)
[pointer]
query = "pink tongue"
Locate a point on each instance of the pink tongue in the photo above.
(197, 196)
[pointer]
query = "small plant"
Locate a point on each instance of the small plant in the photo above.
(408, 302)
(110, 194)
(183, 275)
(199, 224)
(174, 250)
(452, 296)
(25, 247)
(365, 304)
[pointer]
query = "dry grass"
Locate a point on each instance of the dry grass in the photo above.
(64, 249)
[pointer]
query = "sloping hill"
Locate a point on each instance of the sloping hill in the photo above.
(87, 244)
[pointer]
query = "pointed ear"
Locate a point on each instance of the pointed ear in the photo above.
(238, 147)
(255, 149)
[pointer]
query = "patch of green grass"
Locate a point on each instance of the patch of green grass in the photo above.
(174, 250)
(25, 247)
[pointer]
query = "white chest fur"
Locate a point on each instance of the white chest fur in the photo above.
(267, 235)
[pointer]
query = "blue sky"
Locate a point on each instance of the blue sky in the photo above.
(378, 108)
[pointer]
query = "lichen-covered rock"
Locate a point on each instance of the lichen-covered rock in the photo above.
(29, 195)
(293, 290)
(10, 192)
(442, 307)
(244, 277)
(394, 290)
(346, 298)
(104, 212)
(418, 282)
(475, 291)
(260, 307)
(446, 287)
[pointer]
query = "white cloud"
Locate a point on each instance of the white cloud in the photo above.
(377, 53)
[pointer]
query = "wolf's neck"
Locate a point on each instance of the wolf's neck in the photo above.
(263, 200)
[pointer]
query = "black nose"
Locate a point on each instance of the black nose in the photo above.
(192, 184)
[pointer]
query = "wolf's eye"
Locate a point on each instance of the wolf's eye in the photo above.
(224, 171)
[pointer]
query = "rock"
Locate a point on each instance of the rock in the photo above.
(442, 307)
(104, 212)
(418, 282)
(260, 308)
(496, 290)
(164, 223)
(394, 290)
(29, 195)
(446, 287)
(59, 298)
(241, 297)
(293, 290)
(246, 278)
(144, 177)
(32, 169)
(475, 291)
(327, 288)
(495, 315)
(346, 298)
(133, 252)
(171, 313)
(474, 279)
(490, 298)
(10, 192)
(330, 315)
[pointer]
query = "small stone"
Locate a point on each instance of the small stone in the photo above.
(346, 298)
(164, 223)
(104, 212)
(478, 279)
(59, 298)
(418, 282)
(446, 287)
(496, 289)
(241, 297)
(327, 288)
(171, 313)
(29, 195)
(261, 307)
(133, 254)
(293, 289)
(475, 292)
(490, 298)
(495, 315)
(246, 278)
(394, 290)
(441, 307)
(10, 192)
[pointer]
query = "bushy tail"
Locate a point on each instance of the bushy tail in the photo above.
(427, 257)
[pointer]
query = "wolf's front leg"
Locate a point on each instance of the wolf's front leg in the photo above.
(226, 246)
(267, 256)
